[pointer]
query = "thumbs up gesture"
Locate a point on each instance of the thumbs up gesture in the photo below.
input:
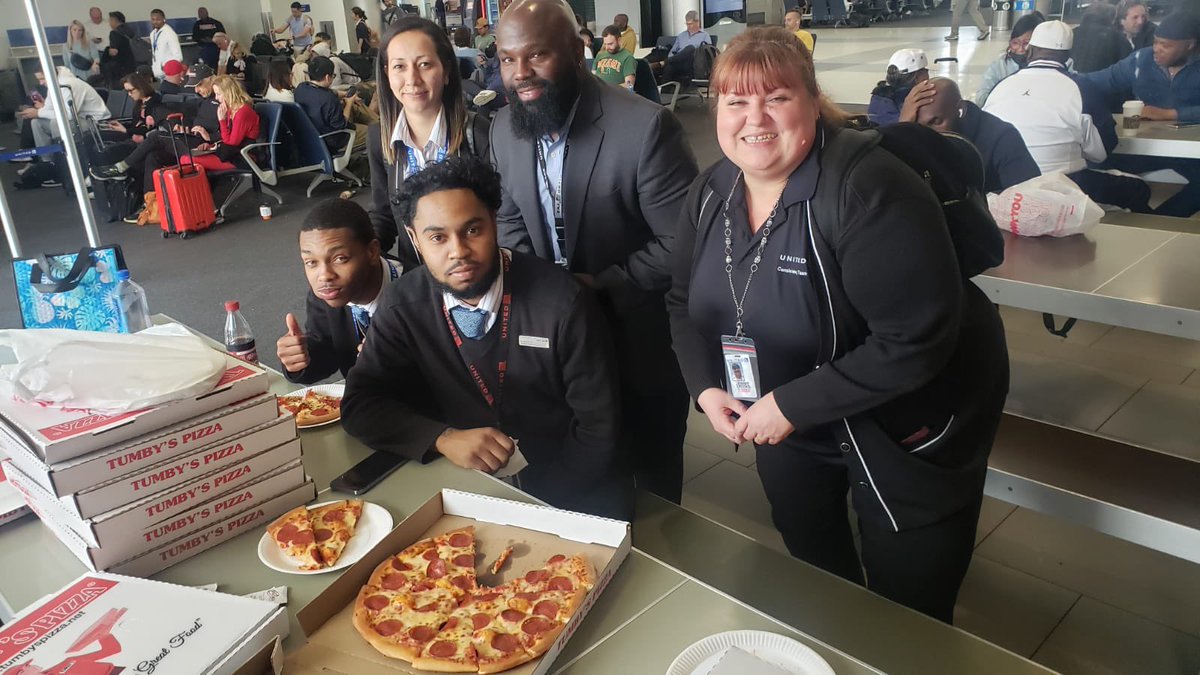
(292, 348)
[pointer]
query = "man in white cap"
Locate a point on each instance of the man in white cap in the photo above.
(906, 69)
(1064, 123)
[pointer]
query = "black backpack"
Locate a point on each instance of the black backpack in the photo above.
(950, 165)
(702, 61)
(261, 45)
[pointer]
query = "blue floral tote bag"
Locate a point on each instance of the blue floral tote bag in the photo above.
(74, 291)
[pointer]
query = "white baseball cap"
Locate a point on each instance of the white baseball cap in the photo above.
(1052, 35)
(909, 60)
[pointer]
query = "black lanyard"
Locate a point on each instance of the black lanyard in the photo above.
(555, 191)
(502, 364)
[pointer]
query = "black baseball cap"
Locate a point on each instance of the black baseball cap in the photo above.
(197, 74)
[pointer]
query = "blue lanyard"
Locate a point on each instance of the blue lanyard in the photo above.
(154, 40)
(413, 167)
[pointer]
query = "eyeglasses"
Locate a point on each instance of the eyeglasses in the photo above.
(129, 90)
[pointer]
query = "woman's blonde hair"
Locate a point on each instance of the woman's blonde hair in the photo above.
(83, 34)
(231, 90)
(765, 58)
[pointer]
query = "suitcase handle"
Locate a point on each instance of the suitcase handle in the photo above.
(171, 135)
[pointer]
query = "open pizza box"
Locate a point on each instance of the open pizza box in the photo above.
(535, 532)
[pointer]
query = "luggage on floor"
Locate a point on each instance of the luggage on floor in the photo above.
(119, 198)
(185, 201)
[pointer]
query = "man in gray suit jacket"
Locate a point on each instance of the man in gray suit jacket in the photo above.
(595, 178)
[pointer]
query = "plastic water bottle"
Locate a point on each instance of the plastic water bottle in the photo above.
(239, 339)
(131, 298)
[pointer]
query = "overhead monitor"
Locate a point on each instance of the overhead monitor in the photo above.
(715, 10)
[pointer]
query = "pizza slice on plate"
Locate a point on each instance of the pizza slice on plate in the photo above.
(333, 526)
(318, 409)
(293, 533)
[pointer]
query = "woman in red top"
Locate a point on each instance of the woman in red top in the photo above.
(239, 126)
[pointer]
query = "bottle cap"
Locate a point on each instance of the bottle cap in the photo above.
(122, 275)
(232, 305)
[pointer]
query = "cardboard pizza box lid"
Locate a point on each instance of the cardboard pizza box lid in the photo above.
(535, 532)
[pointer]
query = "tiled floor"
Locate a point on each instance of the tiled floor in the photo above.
(1068, 597)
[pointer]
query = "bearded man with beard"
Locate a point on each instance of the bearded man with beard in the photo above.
(594, 178)
(483, 354)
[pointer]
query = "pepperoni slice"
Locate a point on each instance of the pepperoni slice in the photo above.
(480, 621)
(320, 412)
(431, 607)
(486, 597)
(561, 584)
(512, 615)
(547, 608)
(464, 560)
(303, 538)
(556, 559)
(422, 633)
(436, 569)
(460, 540)
(285, 533)
(388, 628)
(431, 554)
(335, 516)
(400, 566)
(536, 625)
(376, 602)
(443, 649)
(506, 643)
(536, 576)
(528, 596)
(451, 624)
(462, 581)
(424, 585)
(324, 534)
(392, 582)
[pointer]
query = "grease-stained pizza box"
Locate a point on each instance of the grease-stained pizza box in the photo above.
(83, 472)
(57, 434)
(154, 560)
(137, 527)
(535, 532)
(167, 474)
(105, 623)
(12, 505)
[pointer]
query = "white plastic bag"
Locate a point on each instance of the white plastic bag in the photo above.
(108, 372)
(1047, 205)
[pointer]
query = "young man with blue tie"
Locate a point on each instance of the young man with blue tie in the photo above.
(482, 353)
(346, 276)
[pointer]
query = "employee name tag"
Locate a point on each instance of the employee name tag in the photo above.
(741, 367)
(533, 341)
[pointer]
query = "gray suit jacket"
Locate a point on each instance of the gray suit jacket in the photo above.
(628, 168)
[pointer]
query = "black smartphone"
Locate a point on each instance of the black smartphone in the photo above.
(368, 473)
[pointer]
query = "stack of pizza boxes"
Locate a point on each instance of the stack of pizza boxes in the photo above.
(136, 492)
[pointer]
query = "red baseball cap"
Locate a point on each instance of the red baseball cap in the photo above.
(173, 68)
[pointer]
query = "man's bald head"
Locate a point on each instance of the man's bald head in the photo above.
(541, 64)
(944, 112)
(549, 18)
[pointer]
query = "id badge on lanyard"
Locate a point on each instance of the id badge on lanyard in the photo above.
(741, 368)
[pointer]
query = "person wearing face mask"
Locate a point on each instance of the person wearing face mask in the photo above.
(938, 104)
(594, 177)
(1012, 60)
(906, 69)
(423, 118)
(868, 364)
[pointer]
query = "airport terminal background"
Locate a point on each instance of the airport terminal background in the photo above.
(1068, 597)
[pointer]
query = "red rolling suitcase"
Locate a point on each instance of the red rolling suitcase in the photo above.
(185, 201)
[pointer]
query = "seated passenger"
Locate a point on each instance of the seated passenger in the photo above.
(279, 83)
(614, 64)
(481, 348)
(346, 276)
(1063, 126)
(938, 104)
(323, 106)
(1012, 60)
(1166, 77)
(174, 73)
(1095, 46)
(906, 69)
(238, 123)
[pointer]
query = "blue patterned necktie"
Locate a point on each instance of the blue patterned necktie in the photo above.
(470, 322)
(362, 319)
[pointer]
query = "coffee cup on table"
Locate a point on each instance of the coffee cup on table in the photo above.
(1131, 117)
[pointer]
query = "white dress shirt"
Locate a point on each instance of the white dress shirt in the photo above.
(490, 302)
(391, 272)
(434, 150)
(1045, 106)
(164, 43)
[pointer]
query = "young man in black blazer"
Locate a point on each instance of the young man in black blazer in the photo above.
(346, 276)
(482, 353)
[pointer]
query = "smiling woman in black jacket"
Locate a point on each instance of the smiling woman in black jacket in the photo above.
(852, 353)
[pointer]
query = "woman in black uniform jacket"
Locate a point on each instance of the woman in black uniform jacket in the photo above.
(882, 371)
(422, 109)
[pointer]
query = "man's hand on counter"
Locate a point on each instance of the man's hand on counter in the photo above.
(485, 449)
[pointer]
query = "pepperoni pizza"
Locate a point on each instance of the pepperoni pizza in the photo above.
(424, 605)
(312, 408)
(316, 537)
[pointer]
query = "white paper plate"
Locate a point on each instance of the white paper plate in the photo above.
(778, 650)
(372, 527)
(334, 390)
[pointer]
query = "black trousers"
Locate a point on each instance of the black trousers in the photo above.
(1105, 188)
(157, 151)
(921, 568)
